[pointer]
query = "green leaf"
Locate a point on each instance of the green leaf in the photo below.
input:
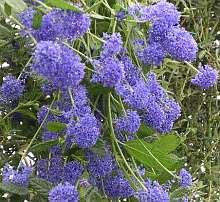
(167, 143)
(4, 32)
(37, 20)
(14, 189)
(153, 158)
(7, 9)
(55, 126)
(145, 131)
(43, 146)
(16, 5)
(41, 186)
(179, 193)
(61, 4)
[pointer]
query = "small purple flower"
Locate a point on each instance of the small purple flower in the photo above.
(154, 193)
(19, 177)
(117, 187)
(59, 64)
(84, 132)
(112, 46)
(11, 88)
(72, 171)
(63, 193)
(129, 123)
(100, 166)
(180, 44)
(185, 178)
(110, 71)
(153, 54)
(206, 77)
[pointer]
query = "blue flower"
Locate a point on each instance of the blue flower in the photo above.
(100, 166)
(154, 193)
(56, 25)
(18, 177)
(206, 77)
(84, 132)
(58, 64)
(180, 44)
(117, 187)
(185, 178)
(63, 193)
(11, 88)
(113, 45)
(72, 171)
(129, 123)
(153, 54)
(109, 72)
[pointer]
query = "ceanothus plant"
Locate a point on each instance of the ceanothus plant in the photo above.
(90, 96)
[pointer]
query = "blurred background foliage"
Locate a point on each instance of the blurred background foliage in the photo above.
(200, 121)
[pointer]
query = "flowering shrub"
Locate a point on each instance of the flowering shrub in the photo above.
(89, 114)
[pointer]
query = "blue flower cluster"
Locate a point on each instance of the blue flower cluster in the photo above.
(58, 64)
(18, 177)
(85, 131)
(109, 70)
(154, 193)
(100, 166)
(206, 77)
(54, 170)
(185, 178)
(63, 192)
(129, 123)
(11, 89)
(165, 35)
(151, 100)
(56, 25)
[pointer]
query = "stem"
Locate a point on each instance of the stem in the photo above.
(191, 66)
(71, 96)
(96, 37)
(37, 132)
(43, 4)
(24, 67)
(116, 142)
(86, 57)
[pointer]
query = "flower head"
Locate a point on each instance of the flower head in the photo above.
(85, 131)
(112, 46)
(58, 64)
(206, 77)
(153, 54)
(100, 166)
(180, 44)
(11, 88)
(117, 187)
(154, 193)
(129, 123)
(63, 193)
(110, 71)
(19, 177)
(185, 178)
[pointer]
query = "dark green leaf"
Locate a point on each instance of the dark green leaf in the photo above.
(167, 143)
(55, 126)
(14, 189)
(41, 186)
(37, 19)
(7, 9)
(61, 4)
(43, 146)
